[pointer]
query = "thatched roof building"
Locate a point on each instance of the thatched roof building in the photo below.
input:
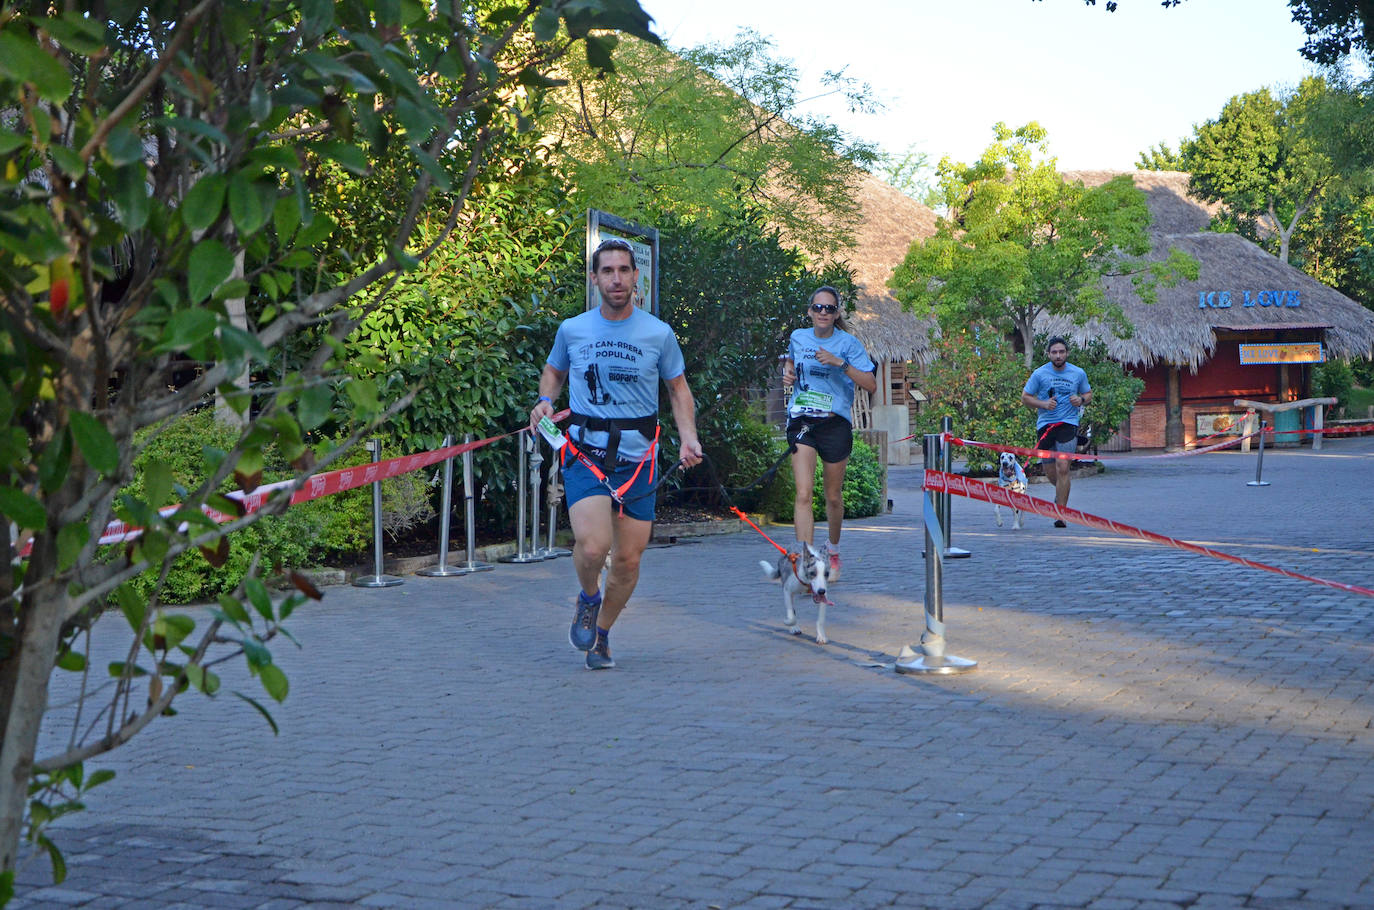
(889, 223)
(1182, 326)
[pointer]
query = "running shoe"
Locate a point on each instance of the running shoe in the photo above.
(599, 657)
(582, 633)
(1059, 523)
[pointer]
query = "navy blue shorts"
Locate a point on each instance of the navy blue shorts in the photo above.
(579, 483)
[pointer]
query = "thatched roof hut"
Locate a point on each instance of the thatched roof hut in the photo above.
(1181, 328)
(889, 222)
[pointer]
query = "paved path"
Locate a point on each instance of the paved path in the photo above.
(1146, 728)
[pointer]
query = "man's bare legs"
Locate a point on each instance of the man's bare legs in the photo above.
(598, 529)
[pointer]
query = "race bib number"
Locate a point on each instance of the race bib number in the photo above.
(813, 401)
(552, 435)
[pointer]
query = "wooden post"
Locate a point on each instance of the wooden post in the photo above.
(1173, 410)
(1318, 422)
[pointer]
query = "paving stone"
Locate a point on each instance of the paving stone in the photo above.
(1169, 729)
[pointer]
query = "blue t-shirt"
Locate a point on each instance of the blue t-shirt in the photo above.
(820, 390)
(613, 368)
(1047, 382)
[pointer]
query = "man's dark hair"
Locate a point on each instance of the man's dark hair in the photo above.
(1056, 340)
(612, 243)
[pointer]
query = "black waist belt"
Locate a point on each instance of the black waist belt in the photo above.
(612, 426)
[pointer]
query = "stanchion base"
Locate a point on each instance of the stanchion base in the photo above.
(552, 552)
(944, 665)
(1257, 483)
(520, 558)
(956, 553)
(376, 581)
(476, 566)
(441, 572)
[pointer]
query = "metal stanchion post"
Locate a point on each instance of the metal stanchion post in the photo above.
(1259, 461)
(947, 465)
(521, 554)
(552, 495)
(932, 657)
(377, 579)
(443, 569)
(470, 515)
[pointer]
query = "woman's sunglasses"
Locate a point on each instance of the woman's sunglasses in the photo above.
(825, 307)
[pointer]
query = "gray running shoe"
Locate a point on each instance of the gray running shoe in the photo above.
(582, 633)
(599, 657)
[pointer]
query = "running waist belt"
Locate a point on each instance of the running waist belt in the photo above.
(612, 426)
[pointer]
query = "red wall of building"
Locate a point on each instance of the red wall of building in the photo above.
(1214, 388)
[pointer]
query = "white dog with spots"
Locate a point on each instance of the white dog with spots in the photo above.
(1010, 476)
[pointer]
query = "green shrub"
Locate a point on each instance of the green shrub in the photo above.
(863, 488)
(1333, 379)
(337, 527)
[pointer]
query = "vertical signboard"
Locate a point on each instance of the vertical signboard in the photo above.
(643, 240)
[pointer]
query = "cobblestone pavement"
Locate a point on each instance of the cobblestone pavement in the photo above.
(1145, 728)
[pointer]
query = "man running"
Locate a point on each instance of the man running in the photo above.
(1057, 391)
(613, 438)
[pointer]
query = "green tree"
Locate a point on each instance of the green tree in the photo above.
(696, 133)
(1268, 159)
(144, 152)
(911, 172)
(975, 380)
(1018, 241)
(1160, 158)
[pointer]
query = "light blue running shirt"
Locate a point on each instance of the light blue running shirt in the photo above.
(1047, 382)
(819, 389)
(614, 367)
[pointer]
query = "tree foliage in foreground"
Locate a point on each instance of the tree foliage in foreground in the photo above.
(1018, 242)
(145, 155)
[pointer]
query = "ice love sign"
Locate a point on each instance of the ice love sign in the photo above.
(1223, 300)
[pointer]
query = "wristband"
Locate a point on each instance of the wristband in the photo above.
(543, 398)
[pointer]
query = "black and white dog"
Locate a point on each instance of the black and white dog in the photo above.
(803, 569)
(1012, 477)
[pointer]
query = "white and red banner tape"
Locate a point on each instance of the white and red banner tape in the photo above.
(316, 486)
(959, 485)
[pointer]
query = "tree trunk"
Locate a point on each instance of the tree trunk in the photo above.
(1028, 342)
(24, 686)
(1173, 409)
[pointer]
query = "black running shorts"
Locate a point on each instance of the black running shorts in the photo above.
(832, 437)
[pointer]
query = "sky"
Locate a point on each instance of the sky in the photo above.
(1106, 86)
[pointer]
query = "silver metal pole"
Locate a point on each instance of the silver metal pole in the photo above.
(521, 554)
(536, 462)
(932, 657)
(947, 465)
(1259, 461)
(377, 579)
(551, 490)
(443, 569)
(470, 514)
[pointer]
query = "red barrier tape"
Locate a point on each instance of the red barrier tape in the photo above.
(1073, 456)
(940, 482)
(316, 486)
